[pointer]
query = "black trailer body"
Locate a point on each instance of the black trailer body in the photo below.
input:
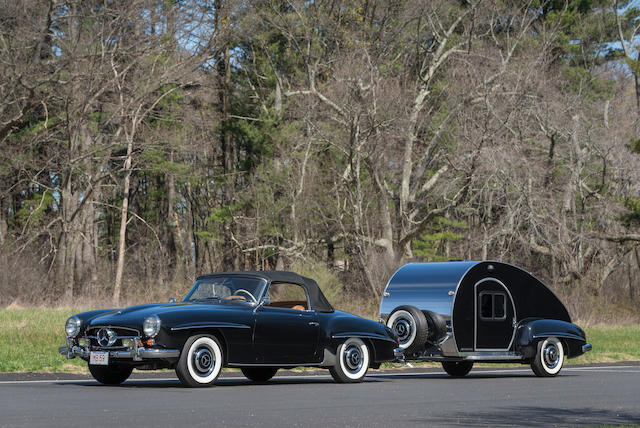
(461, 312)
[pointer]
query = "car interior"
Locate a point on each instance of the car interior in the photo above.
(288, 296)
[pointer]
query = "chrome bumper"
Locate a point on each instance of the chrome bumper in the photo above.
(136, 354)
(399, 354)
(586, 347)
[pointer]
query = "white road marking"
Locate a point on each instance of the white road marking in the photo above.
(613, 369)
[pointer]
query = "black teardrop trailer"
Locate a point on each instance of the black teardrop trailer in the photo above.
(462, 312)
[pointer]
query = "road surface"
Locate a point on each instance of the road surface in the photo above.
(580, 395)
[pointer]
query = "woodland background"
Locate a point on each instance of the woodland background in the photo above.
(145, 142)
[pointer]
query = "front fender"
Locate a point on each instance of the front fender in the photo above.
(531, 330)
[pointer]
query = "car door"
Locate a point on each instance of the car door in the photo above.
(495, 316)
(286, 331)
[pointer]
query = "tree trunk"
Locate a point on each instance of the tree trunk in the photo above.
(122, 245)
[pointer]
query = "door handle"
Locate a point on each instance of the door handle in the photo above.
(313, 323)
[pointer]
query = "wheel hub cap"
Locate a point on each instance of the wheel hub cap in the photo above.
(353, 359)
(203, 361)
(551, 356)
(403, 328)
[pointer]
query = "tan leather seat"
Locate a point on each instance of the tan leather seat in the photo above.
(298, 307)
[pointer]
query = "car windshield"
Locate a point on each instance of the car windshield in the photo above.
(231, 287)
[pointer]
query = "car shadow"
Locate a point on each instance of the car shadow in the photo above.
(222, 382)
(311, 379)
(530, 416)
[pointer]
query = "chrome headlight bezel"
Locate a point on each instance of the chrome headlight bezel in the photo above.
(151, 326)
(72, 326)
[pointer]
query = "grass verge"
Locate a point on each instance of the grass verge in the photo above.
(30, 337)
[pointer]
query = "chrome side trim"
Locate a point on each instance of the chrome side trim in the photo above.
(558, 334)
(273, 365)
(209, 325)
(363, 335)
(478, 356)
(492, 356)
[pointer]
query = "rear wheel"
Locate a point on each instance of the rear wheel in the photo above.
(457, 368)
(200, 361)
(549, 358)
(110, 375)
(259, 374)
(353, 361)
(411, 326)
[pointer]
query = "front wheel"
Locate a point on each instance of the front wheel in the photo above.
(110, 375)
(549, 358)
(200, 361)
(259, 374)
(457, 368)
(353, 361)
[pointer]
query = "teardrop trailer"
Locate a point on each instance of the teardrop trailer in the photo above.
(462, 312)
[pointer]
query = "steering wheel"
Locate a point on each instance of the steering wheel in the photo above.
(246, 293)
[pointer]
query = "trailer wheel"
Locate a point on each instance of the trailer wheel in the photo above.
(457, 368)
(411, 326)
(549, 358)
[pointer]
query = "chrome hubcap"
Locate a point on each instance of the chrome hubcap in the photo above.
(551, 357)
(353, 358)
(204, 361)
(403, 328)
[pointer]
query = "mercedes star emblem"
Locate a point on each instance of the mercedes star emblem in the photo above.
(106, 337)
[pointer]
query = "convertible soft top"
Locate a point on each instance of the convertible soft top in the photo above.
(317, 300)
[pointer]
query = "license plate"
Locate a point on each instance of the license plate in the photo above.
(99, 358)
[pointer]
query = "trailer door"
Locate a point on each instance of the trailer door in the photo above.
(495, 317)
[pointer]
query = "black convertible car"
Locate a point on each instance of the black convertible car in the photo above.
(257, 321)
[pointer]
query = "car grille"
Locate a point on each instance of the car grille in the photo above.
(121, 333)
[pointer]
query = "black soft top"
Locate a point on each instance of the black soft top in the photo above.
(317, 300)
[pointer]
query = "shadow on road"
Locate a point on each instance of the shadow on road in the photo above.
(170, 383)
(525, 416)
(313, 379)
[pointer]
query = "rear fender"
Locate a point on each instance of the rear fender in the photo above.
(532, 330)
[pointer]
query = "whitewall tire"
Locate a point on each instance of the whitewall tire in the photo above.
(549, 358)
(410, 324)
(353, 360)
(200, 362)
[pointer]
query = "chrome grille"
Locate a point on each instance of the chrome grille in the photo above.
(121, 333)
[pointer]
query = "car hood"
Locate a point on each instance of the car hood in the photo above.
(134, 316)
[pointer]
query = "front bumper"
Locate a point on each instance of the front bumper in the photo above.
(586, 347)
(137, 353)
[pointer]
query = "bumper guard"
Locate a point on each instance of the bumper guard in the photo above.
(137, 353)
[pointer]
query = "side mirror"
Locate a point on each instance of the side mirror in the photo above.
(172, 300)
(266, 300)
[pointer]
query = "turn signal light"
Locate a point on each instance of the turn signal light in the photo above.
(150, 342)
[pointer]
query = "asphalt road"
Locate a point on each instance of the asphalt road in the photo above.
(588, 395)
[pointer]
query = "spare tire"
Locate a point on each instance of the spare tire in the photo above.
(437, 326)
(411, 326)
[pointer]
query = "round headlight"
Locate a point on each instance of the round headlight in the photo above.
(72, 326)
(151, 326)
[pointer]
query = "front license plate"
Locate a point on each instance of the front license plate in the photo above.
(99, 358)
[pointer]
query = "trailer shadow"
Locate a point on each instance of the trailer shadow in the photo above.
(530, 416)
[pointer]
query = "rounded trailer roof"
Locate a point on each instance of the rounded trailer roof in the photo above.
(426, 275)
(428, 286)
